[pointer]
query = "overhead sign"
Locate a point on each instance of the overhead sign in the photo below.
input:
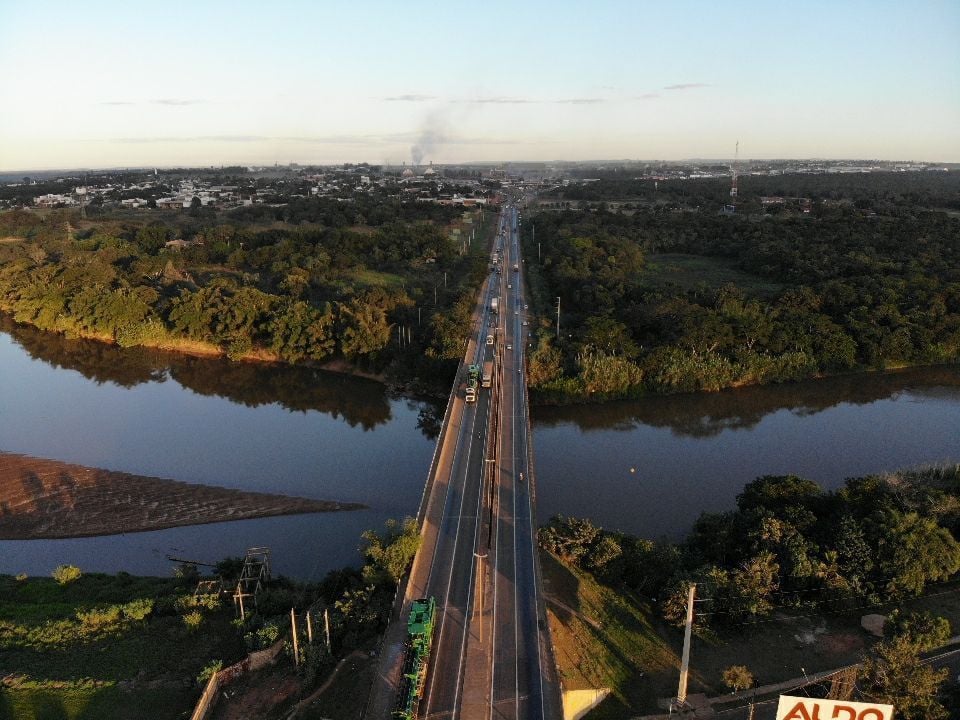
(804, 708)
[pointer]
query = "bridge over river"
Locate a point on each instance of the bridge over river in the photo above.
(491, 658)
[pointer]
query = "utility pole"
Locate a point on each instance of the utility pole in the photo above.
(296, 645)
(418, 315)
(480, 587)
(558, 319)
(685, 658)
(326, 626)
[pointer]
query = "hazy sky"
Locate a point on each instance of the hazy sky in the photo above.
(206, 83)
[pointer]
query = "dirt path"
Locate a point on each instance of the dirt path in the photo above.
(314, 696)
(49, 499)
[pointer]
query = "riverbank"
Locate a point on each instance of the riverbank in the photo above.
(554, 397)
(162, 340)
(49, 499)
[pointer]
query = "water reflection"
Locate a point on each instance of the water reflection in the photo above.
(704, 415)
(359, 402)
(651, 467)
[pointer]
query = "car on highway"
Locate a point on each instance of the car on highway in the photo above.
(509, 346)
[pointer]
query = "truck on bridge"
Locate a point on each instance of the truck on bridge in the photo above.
(487, 374)
(494, 304)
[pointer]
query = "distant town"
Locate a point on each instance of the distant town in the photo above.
(457, 185)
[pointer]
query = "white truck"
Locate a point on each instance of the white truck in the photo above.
(494, 304)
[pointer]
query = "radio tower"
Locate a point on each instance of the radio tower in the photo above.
(733, 170)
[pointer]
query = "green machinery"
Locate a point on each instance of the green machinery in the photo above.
(473, 373)
(417, 658)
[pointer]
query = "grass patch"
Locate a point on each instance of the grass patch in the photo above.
(88, 649)
(692, 272)
(365, 277)
(94, 703)
(603, 638)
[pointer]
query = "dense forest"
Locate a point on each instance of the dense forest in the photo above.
(386, 288)
(672, 299)
(789, 548)
(881, 192)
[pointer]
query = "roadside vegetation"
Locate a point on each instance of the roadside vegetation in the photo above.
(781, 583)
(663, 293)
(386, 290)
(81, 646)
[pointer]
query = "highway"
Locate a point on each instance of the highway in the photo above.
(492, 656)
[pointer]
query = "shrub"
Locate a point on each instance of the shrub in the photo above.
(138, 609)
(193, 620)
(209, 670)
(65, 574)
(737, 677)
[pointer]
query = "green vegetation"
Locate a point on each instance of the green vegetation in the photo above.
(737, 677)
(673, 296)
(106, 647)
(384, 291)
(893, 673)
(604, 637)
(103, 647)
(788, 553)
(65, 574)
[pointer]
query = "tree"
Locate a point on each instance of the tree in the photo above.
(737, 677)
(893, 673)
(389, 555)
(151, 238)
(923, 629)
(915, 550)
(545, 363)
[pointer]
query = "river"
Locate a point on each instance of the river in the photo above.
(251, 426)
(651, 467)
(646, 467)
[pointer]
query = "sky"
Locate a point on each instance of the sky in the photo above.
(133, 84)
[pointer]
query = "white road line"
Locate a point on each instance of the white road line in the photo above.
(456, 539)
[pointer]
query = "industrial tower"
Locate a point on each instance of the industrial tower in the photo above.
(733, 170)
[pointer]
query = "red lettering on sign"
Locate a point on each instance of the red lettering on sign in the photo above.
(799, 712)
(871, 713)
(851, 713)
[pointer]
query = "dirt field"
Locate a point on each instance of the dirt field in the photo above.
(49, 499)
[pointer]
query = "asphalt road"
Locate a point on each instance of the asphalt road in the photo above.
(492, 656)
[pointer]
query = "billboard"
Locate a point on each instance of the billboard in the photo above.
(804, 708)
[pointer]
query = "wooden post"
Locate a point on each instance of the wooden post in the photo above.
(296, 645)
(309, 628)
(326, 625)
(685, 660)
(243, 615)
